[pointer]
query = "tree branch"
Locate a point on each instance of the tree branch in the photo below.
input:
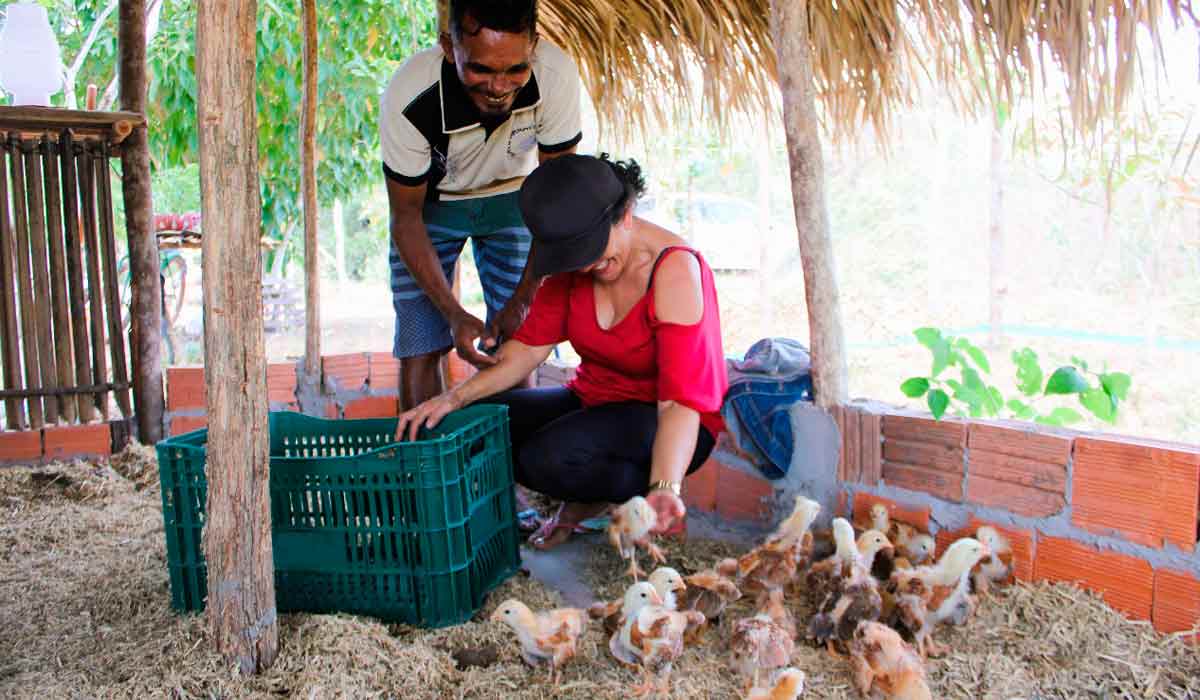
(72, 71)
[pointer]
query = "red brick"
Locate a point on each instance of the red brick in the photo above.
(17, 445)
(186, 424)
(1018, 470)
(385, 372)
(1014, 498)
(927, 455)
(938, 483)
(871, 449)
(917, 516)
(950, 432)
(700, 487)
(1022, 543)
(459, 370)
(333, 411)
(851, 463)
(1147, 493)
(345, 372)
(742, 496)
(185, 388)
(843, 506)
(1126, 583)
(838, 413)
(1030, 441)
(281, 382)
(91, 440)
(1176, 602)
(372, 407)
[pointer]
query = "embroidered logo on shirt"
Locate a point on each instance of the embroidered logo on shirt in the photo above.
(521, 140)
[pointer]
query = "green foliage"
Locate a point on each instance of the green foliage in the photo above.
(970, 394)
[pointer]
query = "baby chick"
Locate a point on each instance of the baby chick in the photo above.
(630, 528)
(652, 636)
(622, 644)
(857, 599)
(709, 592)
(546, 638)
(917, 550)
(788, 686)
(759, 645)
(771, 604)
(995, 568)
(822, 576)
(944, 591)
(882, 662)
(797, 524)
(667, 583)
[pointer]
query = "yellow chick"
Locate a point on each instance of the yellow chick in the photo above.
(629, 528)
(667, 583)
(789, 684)
(822, 576)
(884, 663)
(798, 523)
(918, 550)
(759, 645)
(548, 637)
(944, 591)
(995, 568)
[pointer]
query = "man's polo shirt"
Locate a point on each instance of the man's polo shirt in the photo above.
(431, 133)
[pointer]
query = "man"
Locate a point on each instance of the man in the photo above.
(461, 125)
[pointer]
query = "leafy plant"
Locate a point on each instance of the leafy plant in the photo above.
(1100, 393)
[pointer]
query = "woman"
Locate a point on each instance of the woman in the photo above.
(640, 308)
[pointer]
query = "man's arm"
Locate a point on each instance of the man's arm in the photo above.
(416, 250)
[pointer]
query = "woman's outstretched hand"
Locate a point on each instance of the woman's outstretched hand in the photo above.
(426, 415)
(667, 506)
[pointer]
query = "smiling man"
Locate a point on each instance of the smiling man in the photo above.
(461, 125)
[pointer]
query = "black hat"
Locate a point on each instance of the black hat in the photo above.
(567, 203)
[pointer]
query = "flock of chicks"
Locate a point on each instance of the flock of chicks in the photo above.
(872, 593)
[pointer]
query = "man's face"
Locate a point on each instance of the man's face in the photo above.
(493, 66)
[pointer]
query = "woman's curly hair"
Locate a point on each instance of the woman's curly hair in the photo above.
(630, 175)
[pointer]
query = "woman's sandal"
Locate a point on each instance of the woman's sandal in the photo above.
(549, 534)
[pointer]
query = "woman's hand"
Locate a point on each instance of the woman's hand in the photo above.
(669, 508)
(427, 415)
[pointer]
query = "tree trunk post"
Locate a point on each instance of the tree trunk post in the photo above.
(789, 24)
(237, 535)
(146, 290)
(308, 187)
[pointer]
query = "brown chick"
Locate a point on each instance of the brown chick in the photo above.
(548, 637)
(769, 566)
(788, 686)
(882, 662)
(995, 568)
(918, 549)
(858, 599)
(708, 592)
(948, 599)
(771, 604)
(658, 632)
(629, 528)
(759, 645)
(822, 577)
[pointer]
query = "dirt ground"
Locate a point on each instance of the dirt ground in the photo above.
(84, 613)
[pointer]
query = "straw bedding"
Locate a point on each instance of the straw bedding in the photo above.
(84, 613)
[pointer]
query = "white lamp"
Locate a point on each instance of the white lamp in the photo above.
(30, 62)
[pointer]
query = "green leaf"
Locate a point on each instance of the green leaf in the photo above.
(1100, 404)
(938, 401)
(1029, 372)
(1063, 416)
(1020, 409)
(1066, 380)
(915, 387)
(928, 336)
(980, 359)
(996, 401)
(1116, 384)
(941, 357)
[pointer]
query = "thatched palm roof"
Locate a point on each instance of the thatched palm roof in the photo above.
(870, 56)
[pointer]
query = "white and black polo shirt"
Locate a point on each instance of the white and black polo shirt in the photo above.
(430, 132)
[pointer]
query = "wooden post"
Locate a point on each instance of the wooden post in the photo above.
(145, 306)
(39, 262)
(29, 335)
(793, 47)
(79, 323)
(14, 409)
(308, 187)
(91, 242)
(108, 249)
(237, 537)
(63, 351)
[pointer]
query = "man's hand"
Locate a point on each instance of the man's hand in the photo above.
(669, 508)
(426, 415)
(505, 324)
(466, 330)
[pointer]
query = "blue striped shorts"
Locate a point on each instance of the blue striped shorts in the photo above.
(501, 245)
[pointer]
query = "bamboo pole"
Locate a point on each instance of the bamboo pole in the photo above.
(308, 186)
(95, 285)
(58, 279)
(29, 335)
(55, 119)
(39, 259)
(237, 538)
(112, 293)
(76, 290)
(789, 25)
(14, 410)
(145, 304)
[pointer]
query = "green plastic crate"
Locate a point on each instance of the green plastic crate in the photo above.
(412, 532)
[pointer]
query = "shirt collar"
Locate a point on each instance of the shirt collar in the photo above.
(460, 114)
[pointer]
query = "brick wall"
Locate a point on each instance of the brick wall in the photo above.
(56, 442)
